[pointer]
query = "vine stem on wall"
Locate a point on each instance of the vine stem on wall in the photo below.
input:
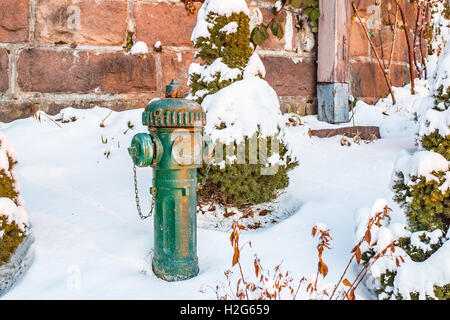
(383, 69)
(408, 41)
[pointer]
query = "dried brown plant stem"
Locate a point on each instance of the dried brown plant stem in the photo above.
(394, 38)
(37, 115)
(383, 69)
(408, 40)
(362, 274)
(343, 274)
(424, 16)
(416, 31)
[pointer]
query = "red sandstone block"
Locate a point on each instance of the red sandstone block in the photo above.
(367, 79)
(410, 10)
(383, 43)
(84, 72)
(175, 65)
(401, 52)
(359, 45)
(100, 22)
(15, 109)
(289, 78)
(365, 133)
(14, 20)
(168, 23)
(411, 13)
(4, 66)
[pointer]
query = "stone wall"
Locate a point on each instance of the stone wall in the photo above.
(367, 80)
(60, 53)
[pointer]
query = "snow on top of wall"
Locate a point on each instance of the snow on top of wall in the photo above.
(436, 120)
(14, 213)
(244, 106)
(227, 7)
(139, 47)
(220, 7)
(420, 164)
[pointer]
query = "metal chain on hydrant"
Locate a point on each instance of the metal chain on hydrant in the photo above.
(138, 206)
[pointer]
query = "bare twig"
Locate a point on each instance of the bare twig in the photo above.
(416, 29)
(393, 39)
(383, 69)
(408, 40)
(422, 28)
(43, 113)
(102, 124)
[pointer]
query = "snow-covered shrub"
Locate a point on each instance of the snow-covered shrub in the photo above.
(419, 268)
(424, 273)
(240, 107)
(437, 28)
(229, 179)
(222, 39)
(422, 188)
(13, 218)
(435, 132)
(442, 97)
(421, 185)
(420, 245)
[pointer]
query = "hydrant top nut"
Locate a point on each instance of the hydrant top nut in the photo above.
(174, 111)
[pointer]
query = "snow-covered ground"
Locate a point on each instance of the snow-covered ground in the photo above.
(77, 182)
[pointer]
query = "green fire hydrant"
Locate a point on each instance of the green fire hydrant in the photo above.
(175, 147)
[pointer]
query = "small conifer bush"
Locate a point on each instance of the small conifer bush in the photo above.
(11, 234)
(426, 206)
(437, 143)
(425, 199)
(244, 183)
(222, 46)
(226, 50)
(442, 97)
(11, 238)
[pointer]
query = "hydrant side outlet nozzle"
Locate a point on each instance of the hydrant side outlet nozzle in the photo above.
(175, 147)
(141, 150)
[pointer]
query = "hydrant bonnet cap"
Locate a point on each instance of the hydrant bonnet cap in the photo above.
(174, 112)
